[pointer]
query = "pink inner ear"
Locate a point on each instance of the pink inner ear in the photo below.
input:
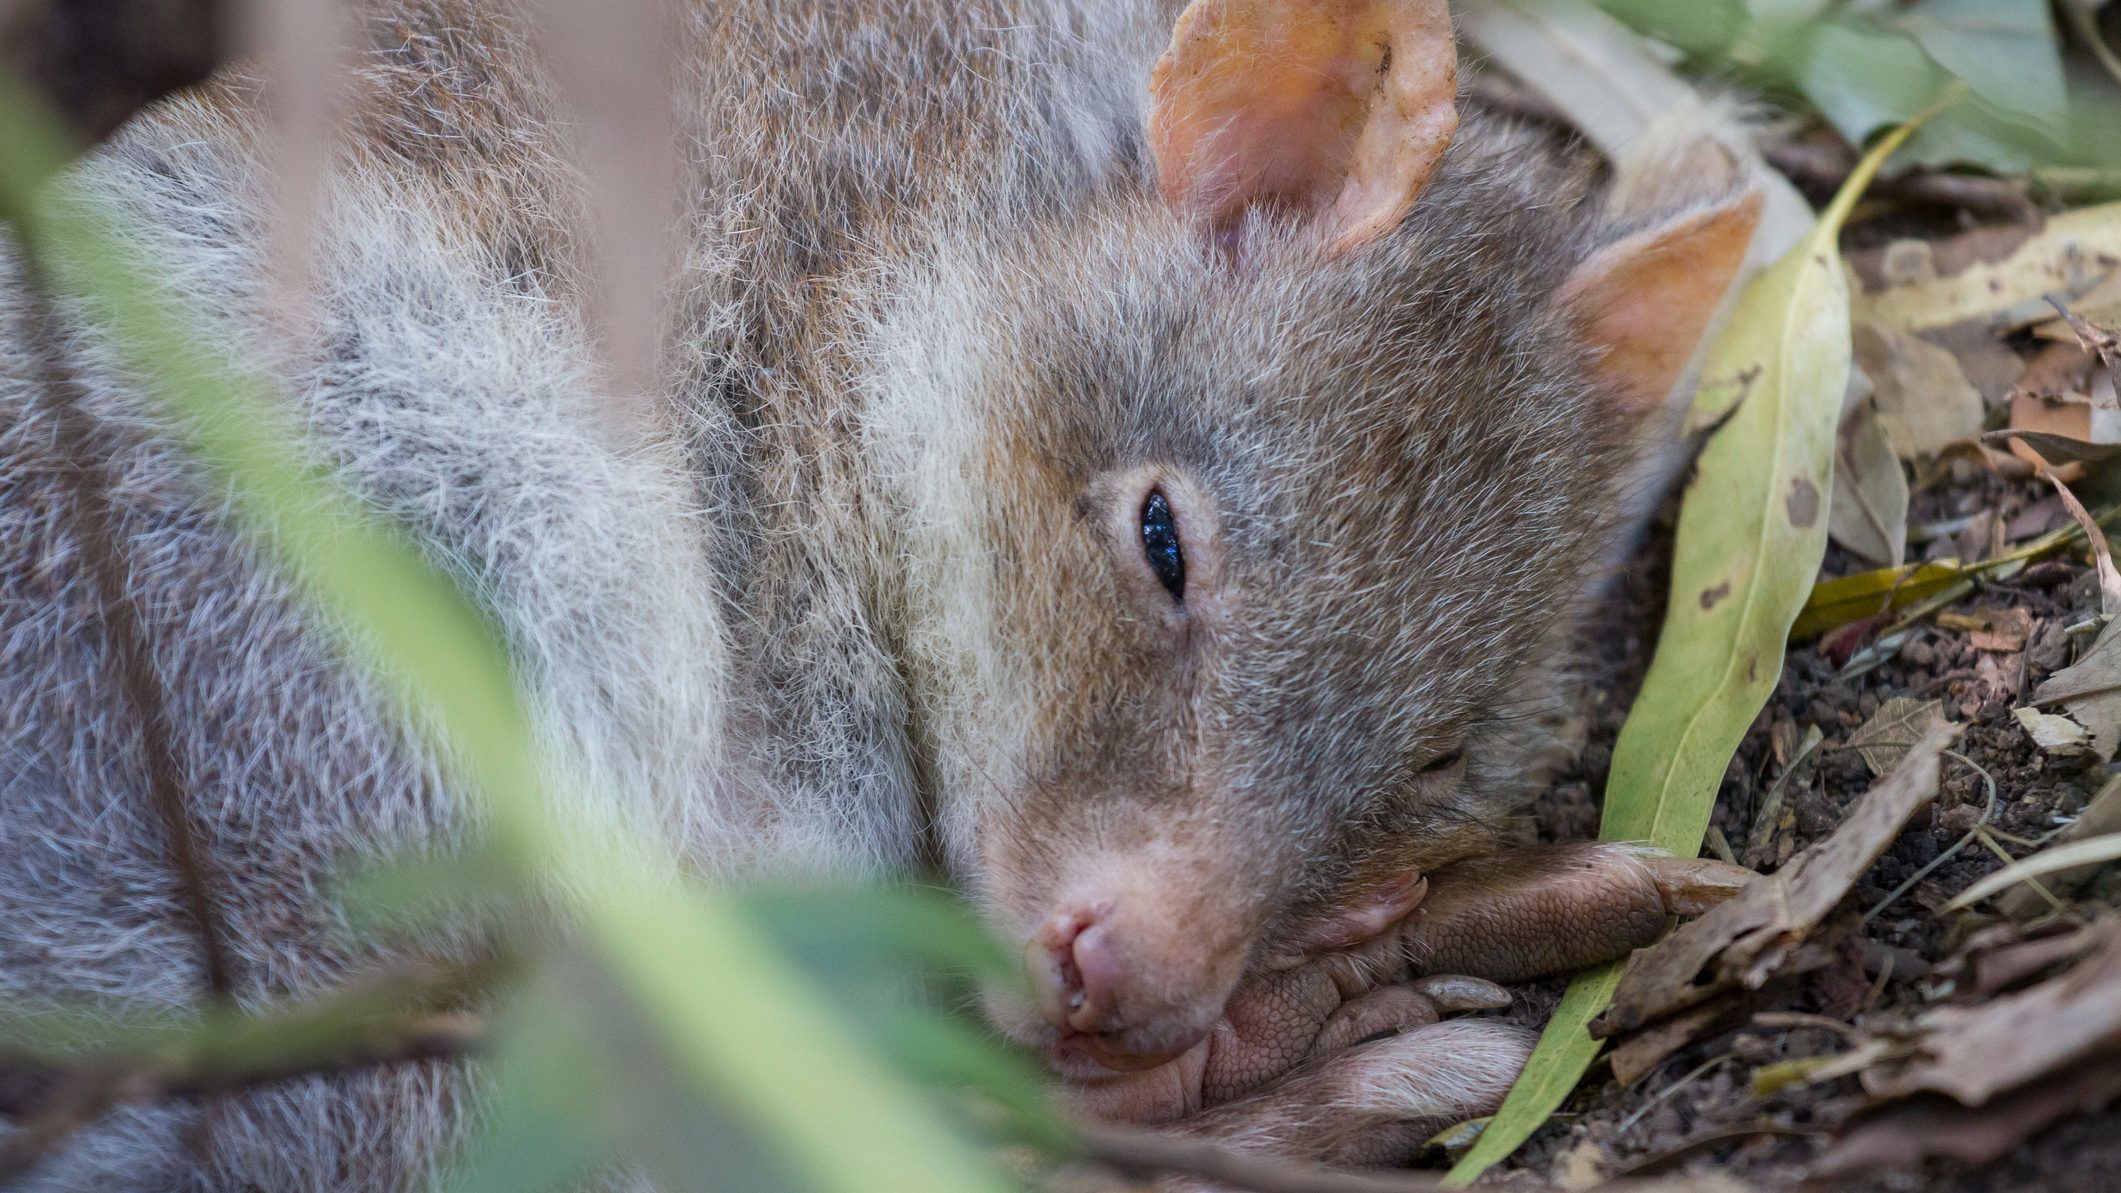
(1645, 300)
(1274, 152)
(1338, 109)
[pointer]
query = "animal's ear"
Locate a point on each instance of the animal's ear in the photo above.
(1644, 300)
(1334, 109)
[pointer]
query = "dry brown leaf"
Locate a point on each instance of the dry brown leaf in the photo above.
(2051, 405)
(2003, 631)
(2036, 519)
(2102, 551)
(1868, 514)
(1892, 731)
(2058, 372)
(1905, 1136)
(2089, 692)
(2067, 454)
(1971, 1054)
(1992, 365)
(2058, 421)
(1635, 1057)
(1924, 402)
(2098, 340)
(1743, 942)
(2002, 956)
(2101, 305)
(2052, 732)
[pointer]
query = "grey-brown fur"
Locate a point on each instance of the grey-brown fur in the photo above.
(850, 602)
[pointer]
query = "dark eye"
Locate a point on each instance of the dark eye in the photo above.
(1440, 763)
(1160, 544)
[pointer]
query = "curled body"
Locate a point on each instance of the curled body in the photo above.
(1185, 575)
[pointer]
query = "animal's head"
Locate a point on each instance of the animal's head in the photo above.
(1246, 514)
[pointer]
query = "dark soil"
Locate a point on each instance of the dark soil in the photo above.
(1697, 1109)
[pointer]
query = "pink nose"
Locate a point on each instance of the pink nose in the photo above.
(1073, 972)
(1079, 978)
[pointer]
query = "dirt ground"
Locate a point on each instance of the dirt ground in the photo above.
(1698, 1109)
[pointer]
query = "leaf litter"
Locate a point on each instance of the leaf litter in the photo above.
(1750, 531)
(1746, 941)
(1960, 585)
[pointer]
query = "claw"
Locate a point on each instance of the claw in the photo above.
(1693, 885)
(1454, 993)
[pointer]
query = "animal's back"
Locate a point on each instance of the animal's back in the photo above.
(692, 607)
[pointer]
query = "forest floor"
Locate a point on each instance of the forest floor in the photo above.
(1703, 1106)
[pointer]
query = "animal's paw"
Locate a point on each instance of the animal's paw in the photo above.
(1323, 1051)
(1278, 1021)
(1524, 913)
(1375, 1103)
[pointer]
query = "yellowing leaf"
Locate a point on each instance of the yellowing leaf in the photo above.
(1752, 530)
(1839, 601)
(1992, 281)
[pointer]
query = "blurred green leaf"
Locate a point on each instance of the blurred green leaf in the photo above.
(2008, 51)
(955, 1054)
(1861, 79)
(581, 1083)
(1700, 28)
(838, 929)
(542, 1125)
(1868, 67)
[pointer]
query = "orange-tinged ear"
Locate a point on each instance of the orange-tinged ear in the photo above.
(1645, 300)
(1337, 109)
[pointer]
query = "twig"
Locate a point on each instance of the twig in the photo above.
(93, 516)
(1893, 896)
(1825, 167)
(2096, 340)
(1795, 1020)
(1989, 842)
(74, 1096)
(2102, 552)
(1688, 1078)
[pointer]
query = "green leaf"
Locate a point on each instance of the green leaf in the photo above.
(546, 1104)
(838, 930)
(2006, 50)
(1862, 79)
(954, 1054)
(1752, 532)
(1700, 28)
(1865, 68)
(1847, 599)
